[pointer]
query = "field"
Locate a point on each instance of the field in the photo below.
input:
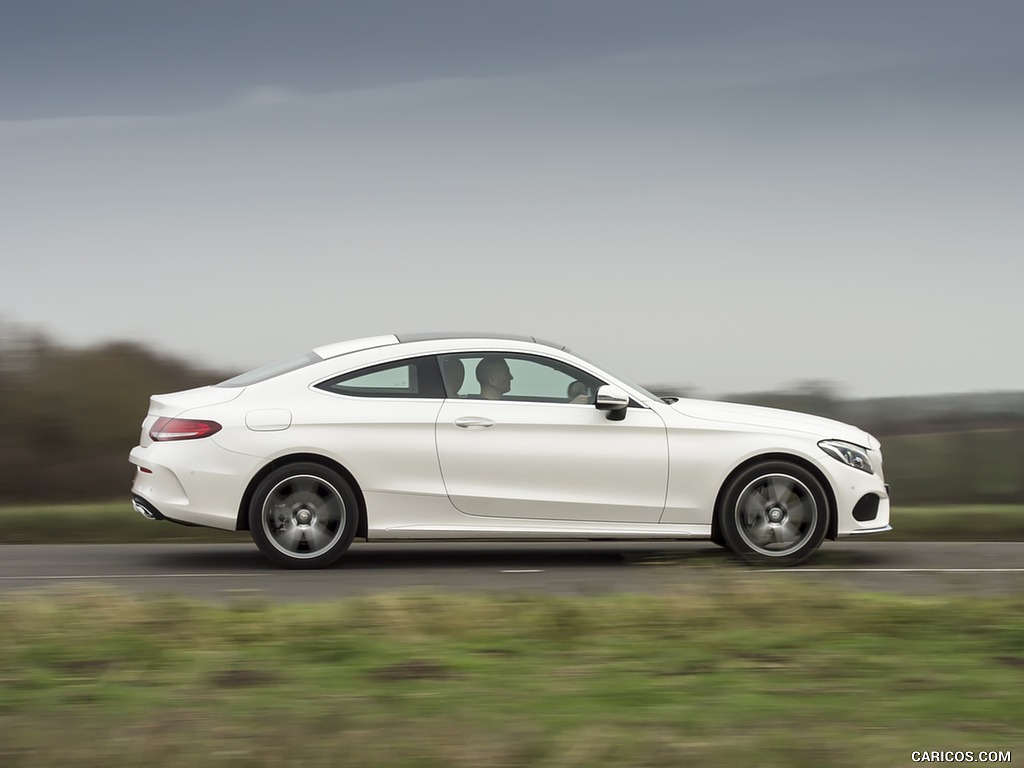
(746, 675)
(752, 671)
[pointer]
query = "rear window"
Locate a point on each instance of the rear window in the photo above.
(416, 377)
(266, 372)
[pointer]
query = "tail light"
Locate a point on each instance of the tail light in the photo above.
(182, 429)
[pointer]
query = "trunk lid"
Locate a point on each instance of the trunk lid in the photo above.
(176, 403)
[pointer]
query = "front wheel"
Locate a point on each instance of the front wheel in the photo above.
(774, 513)
(303, 516)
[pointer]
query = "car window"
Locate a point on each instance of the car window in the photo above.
(516, 377)
(270, 371)
(416, 377)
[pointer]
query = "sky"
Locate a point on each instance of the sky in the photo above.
(734, 196)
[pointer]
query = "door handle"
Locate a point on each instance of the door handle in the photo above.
(473, 422)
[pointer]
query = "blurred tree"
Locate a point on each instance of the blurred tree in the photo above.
(812, 396)
(70, 415)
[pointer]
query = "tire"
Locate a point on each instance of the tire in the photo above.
(774, 513)
(303, 516)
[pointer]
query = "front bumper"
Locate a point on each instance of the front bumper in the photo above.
(862, 500)
(883, 529)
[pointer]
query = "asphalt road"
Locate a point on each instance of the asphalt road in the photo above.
(220, 572)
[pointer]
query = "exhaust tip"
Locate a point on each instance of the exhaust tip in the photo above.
(145, 509)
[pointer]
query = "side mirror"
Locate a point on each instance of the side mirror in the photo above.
(613, 400)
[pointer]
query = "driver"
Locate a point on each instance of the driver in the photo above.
(578, 392)
(494, 376)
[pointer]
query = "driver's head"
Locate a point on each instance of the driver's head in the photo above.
(494, 376)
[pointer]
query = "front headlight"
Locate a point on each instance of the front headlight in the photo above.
(848, 453)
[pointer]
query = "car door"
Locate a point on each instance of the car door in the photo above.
(533, 454)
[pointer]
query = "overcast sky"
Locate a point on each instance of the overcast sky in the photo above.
(732, 195)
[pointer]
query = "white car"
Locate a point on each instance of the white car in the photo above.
(441, 436)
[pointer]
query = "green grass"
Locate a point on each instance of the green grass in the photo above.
(117, 522)
(963, 522)
(97, 523)
(748, 674)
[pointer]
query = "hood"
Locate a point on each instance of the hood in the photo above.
(774, 418)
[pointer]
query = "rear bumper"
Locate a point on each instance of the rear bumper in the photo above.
(148, 511)
(194, 482)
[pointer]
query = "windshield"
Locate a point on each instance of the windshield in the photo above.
(648, 394)
(270, 371)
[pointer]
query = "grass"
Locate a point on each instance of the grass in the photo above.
(747, 674)
(117, 522)
(97, 523)
(964, 522)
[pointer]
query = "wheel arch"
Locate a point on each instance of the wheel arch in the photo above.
(831, 533)
(242, 519)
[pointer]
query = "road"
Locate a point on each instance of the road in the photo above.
(219, 572)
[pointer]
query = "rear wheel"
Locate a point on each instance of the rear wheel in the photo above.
(774, 513)
(303, 516)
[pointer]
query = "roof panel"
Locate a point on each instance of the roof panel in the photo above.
(410, 337)
(355, 345)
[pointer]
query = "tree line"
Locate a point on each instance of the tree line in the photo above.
(70, 415)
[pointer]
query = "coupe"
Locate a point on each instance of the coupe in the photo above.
(462, 437)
